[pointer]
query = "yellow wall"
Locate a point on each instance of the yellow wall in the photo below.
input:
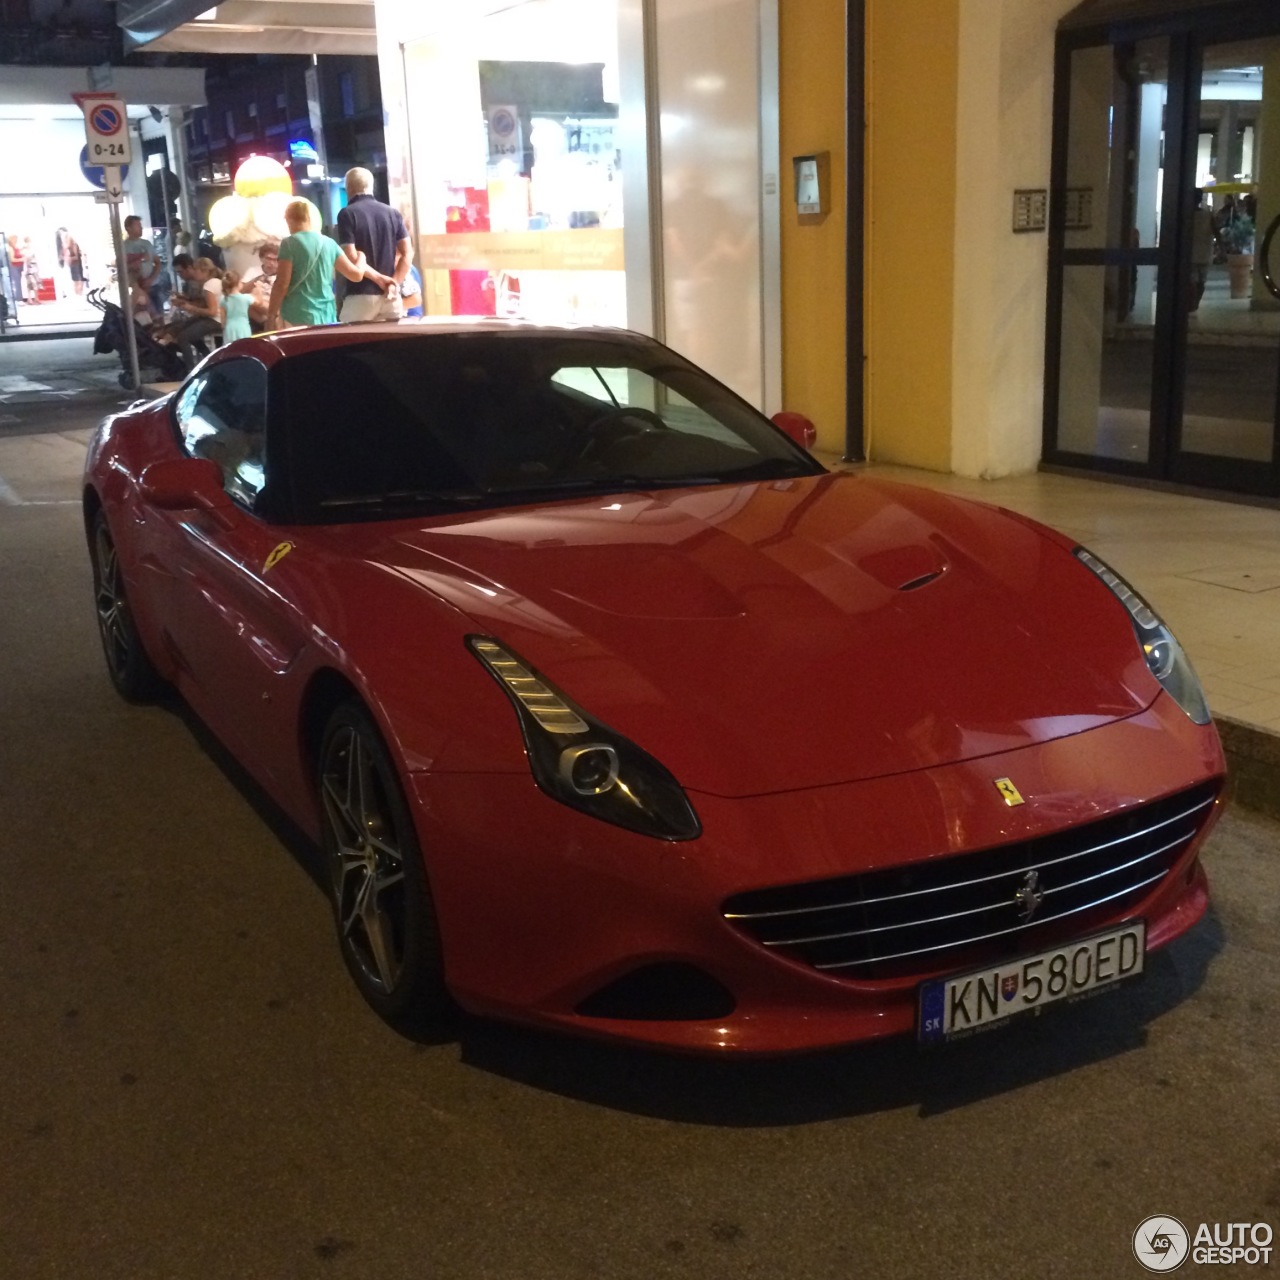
(811, 90)
(912, 67)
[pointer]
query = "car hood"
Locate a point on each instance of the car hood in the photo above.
(792, 633)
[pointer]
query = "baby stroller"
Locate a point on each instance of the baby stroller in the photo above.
(156, 361)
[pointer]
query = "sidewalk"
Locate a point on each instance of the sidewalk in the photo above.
(69, 315)
(1210, 568)
(56, 364)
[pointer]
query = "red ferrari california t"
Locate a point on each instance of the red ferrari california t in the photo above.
(614, 711)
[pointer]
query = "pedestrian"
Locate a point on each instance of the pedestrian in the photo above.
(17, 266)
(303, 289)
(411, 293)
(141, 263)
(184, 267)
(235, 308)
(32, 270)
(260, 300)
(60, 239)
(377, 230)
(1203, 238)
(75, 263)
(204, 313)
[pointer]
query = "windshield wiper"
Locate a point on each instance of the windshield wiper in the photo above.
(765, 469)
(410, 497)
(606, 484)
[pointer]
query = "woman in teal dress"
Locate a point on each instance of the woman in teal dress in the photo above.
(302, 292)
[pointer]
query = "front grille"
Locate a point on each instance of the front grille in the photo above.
(951, 911)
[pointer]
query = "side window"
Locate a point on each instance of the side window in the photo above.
(222, 415)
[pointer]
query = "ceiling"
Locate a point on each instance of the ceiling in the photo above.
(248, 26)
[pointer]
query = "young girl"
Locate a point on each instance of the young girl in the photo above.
(235, 309)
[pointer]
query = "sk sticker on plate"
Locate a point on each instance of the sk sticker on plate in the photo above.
(278, 553)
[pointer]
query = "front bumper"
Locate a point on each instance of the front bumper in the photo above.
(541, 908)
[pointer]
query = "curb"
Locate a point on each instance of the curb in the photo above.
(1253, 765)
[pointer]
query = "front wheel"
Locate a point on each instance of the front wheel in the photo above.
(131, 671)
(378, 885)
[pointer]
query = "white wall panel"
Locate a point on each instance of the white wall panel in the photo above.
(43, 156)
(708, 60)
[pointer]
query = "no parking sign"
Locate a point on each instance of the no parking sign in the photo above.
(106, 130)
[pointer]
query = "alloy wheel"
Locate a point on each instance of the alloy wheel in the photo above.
(366, 857)
(112, 609)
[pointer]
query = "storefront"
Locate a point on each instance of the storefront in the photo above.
(57, 244)
(542, 176)
(57, 239)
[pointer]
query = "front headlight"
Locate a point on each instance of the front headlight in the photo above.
(583, 763)
(1164, 655)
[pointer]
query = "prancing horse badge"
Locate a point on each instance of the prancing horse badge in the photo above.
(278, 553)
(1012, 796)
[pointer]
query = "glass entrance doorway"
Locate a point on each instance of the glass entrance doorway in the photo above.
(1163, 353)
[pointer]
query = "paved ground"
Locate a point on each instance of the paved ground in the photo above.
(56, 384)
(192, 1088)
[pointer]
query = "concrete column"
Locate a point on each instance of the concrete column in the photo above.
(1004, 127)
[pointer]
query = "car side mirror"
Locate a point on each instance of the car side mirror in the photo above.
(797, 426)
(181, 484)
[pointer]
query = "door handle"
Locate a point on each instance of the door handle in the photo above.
(1267, 278)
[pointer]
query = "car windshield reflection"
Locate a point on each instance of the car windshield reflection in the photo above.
(482, 420)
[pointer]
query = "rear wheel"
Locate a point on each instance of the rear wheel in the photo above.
(382, 903)
(131, 671)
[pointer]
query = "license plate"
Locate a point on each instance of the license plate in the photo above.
(951, 1007)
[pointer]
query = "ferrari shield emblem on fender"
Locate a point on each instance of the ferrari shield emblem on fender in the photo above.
(1012, 796)
(278, 553)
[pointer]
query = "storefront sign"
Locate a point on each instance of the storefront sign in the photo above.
(585, 249)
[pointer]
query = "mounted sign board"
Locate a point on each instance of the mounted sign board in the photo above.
(106, 129)
(504, 133)
(97, 173)
(813, 184)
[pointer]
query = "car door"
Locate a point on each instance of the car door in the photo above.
(235, 634)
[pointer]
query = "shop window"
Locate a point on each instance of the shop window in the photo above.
(533, 147)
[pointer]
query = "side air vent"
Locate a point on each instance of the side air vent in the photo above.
(668, 992)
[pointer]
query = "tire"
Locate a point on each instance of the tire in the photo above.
(382, 904)
(131, 671)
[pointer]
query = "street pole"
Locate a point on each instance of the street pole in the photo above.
(113, 184)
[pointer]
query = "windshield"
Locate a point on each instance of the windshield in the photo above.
(441, 421)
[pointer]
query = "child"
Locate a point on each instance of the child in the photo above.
(142, 313)
(235, 308)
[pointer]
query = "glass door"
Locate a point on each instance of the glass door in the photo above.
(1229, 322)
(1110, 264)
(1163, 336)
